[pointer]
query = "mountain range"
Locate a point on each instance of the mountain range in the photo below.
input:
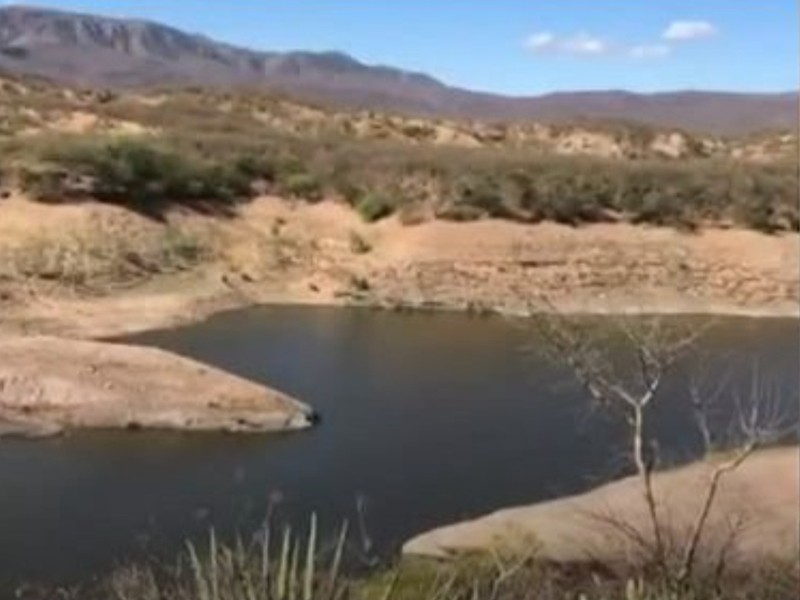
(97, 51)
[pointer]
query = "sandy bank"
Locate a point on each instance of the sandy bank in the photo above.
(280, 252)
(763, 495)
(48, 385)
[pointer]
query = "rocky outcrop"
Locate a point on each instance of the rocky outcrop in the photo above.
(762, 496)
(48, 385)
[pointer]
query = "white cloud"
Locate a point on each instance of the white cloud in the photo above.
(679, 31)
(648, 51)
(582, 44)
(586, 45)
(543, 40)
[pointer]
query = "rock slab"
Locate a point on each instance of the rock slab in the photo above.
(48, 385)
(761, 499)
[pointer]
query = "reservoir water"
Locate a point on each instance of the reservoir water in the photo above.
(426, 419)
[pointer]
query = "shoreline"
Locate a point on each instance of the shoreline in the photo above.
(279, 252)
(134, 312)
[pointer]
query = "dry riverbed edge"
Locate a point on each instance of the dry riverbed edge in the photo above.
(276, 251)
(280, 252)
(137, 311)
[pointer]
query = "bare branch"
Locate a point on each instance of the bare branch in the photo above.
(629, 383)
(702, 400)
(720, 470)
(761, 421)
(655, 348)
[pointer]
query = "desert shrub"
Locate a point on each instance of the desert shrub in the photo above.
(658, 208)
(139, 173)
(766, 199)
(214, 148)
(412, 213)
(301, 185)
(45, 184)
(481, 191)
(758, 216)
(461, 213)
(358, 245)
(253, 166)
(349, 191)
(373, 207)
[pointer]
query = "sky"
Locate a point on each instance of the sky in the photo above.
(518, 47)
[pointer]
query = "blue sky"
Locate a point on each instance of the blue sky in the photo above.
(515, 46)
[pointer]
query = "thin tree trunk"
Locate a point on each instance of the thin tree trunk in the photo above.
(645, 472)
(690, 554)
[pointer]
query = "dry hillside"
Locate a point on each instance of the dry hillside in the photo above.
(131, 210)
(29, 107)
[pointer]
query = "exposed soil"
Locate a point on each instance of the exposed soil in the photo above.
(276, 251)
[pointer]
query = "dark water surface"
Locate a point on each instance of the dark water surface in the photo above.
(427, 419)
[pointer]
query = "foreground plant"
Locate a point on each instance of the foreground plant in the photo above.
(291, 565)
(285, 567)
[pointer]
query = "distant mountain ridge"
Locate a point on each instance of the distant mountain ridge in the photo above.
(93, 51)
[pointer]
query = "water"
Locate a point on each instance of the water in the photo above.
(427, 419)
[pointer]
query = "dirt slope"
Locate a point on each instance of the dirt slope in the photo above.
(94, 270)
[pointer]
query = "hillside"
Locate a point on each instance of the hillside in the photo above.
(126, 210)
(255, 194)
(96, 51)
(211, 150)
(31, 107)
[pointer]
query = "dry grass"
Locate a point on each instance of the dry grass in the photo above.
(291, 565)
(104, 254)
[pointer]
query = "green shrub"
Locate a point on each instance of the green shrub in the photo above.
(253, 166)
(213, 149)
(758, 216)
(373, 207)
(301, 185)
(137, 172)
(44, 184)
(482, 192)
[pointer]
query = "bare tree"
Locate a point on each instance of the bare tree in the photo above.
(622, 363)
(628, 389)
(758, 420)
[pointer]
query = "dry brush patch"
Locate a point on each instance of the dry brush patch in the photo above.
(212, 149)
(104, 252)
